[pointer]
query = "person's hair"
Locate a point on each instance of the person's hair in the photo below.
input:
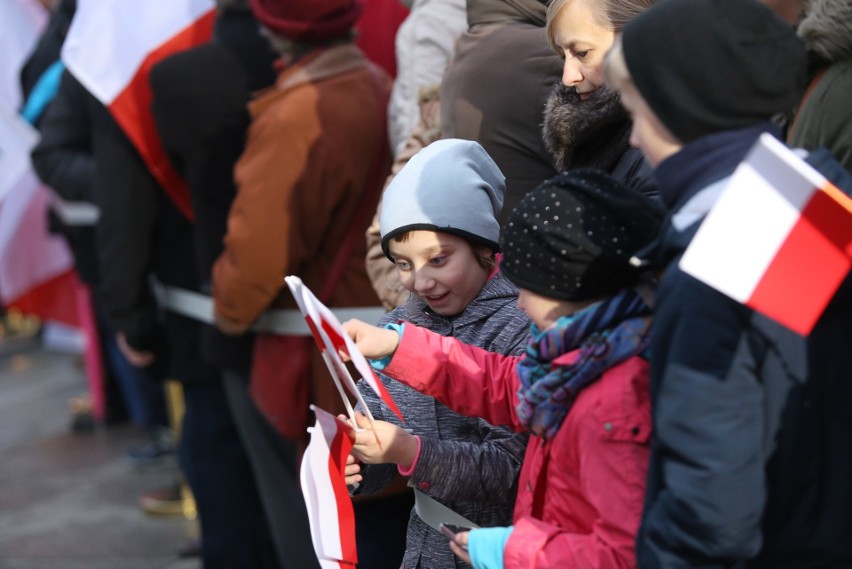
(485, 257)
(285, 47)
(611, 14)
(615, 70)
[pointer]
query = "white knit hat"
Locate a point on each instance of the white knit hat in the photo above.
(451, 186)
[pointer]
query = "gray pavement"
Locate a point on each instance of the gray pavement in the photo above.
(67, 500)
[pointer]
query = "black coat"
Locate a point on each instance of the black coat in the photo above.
(750, 463)
(140, 235)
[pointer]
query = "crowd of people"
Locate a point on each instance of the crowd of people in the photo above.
(516, 195)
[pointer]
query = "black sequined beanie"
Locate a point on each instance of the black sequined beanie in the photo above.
(705, 66)
(572, 237)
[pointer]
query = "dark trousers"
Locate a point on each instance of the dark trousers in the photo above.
(234, 531)
(275, 468)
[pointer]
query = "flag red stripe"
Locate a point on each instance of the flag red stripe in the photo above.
(341, 446)
(340, 344)
(386, 397)
(131, 109)
(54, 299)
(810, 265)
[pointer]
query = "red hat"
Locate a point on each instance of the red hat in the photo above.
(308, 20)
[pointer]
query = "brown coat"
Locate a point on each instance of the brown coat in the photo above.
(313, 144)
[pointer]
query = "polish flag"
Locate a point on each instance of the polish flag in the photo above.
(330, 512)
(331, 338)
(36, 267)
(779, 238)
(111, 47)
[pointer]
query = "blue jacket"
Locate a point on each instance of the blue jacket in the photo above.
(750, 460)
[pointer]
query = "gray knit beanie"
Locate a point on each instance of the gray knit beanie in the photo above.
(451, 186)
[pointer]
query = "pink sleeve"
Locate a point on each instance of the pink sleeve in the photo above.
(467, 379)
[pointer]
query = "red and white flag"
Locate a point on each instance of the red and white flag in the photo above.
(111, 47)
(330, 511)
(779, 238)
(330, 337)
(36, 266)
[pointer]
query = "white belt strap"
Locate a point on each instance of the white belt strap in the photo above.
(434, 513)
(283, 322)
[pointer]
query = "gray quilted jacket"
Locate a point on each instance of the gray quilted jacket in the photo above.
(465, 463)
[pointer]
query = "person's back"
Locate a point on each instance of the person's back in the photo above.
(316, 150)
(748, 464)
(496, 87)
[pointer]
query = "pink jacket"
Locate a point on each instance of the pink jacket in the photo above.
(580, 494)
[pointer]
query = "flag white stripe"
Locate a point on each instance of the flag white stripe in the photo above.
(329, 526)
(751, 220)
(109, 39)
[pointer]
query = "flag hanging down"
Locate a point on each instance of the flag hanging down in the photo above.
(36, 266)
(324, 326)
(779, 238)
(330, 512)
(111, 47)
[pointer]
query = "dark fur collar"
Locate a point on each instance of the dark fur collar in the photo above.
(592, 133)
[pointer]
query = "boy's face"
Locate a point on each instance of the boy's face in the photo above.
(440, 268)
(648, 133)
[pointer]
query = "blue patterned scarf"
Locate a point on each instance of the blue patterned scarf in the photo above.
(605, 333)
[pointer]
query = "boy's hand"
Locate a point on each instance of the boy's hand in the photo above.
(459, 546)
(374, 342)
(386, 444)
(353, 471)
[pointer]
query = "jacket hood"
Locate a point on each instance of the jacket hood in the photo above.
(498, 11)
(827, 29)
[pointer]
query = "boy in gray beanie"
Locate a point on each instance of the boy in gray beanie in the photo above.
(439, 227)
(752, 421)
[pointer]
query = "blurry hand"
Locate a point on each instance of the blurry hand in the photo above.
(374, 342)
(136, 358)
(459, 546)
(387, 443)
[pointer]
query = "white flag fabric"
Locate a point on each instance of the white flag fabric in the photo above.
(21, 24)
(778, 239)
(29, 254)
(330, 337)
(110, 48)
(330, 512)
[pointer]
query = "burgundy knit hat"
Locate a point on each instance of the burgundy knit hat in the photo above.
(308, 20)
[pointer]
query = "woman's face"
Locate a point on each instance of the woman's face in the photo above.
(440, 268)
(584, 43)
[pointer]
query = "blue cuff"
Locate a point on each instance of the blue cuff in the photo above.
(381, 364)
(43, 92)
(486, 545)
